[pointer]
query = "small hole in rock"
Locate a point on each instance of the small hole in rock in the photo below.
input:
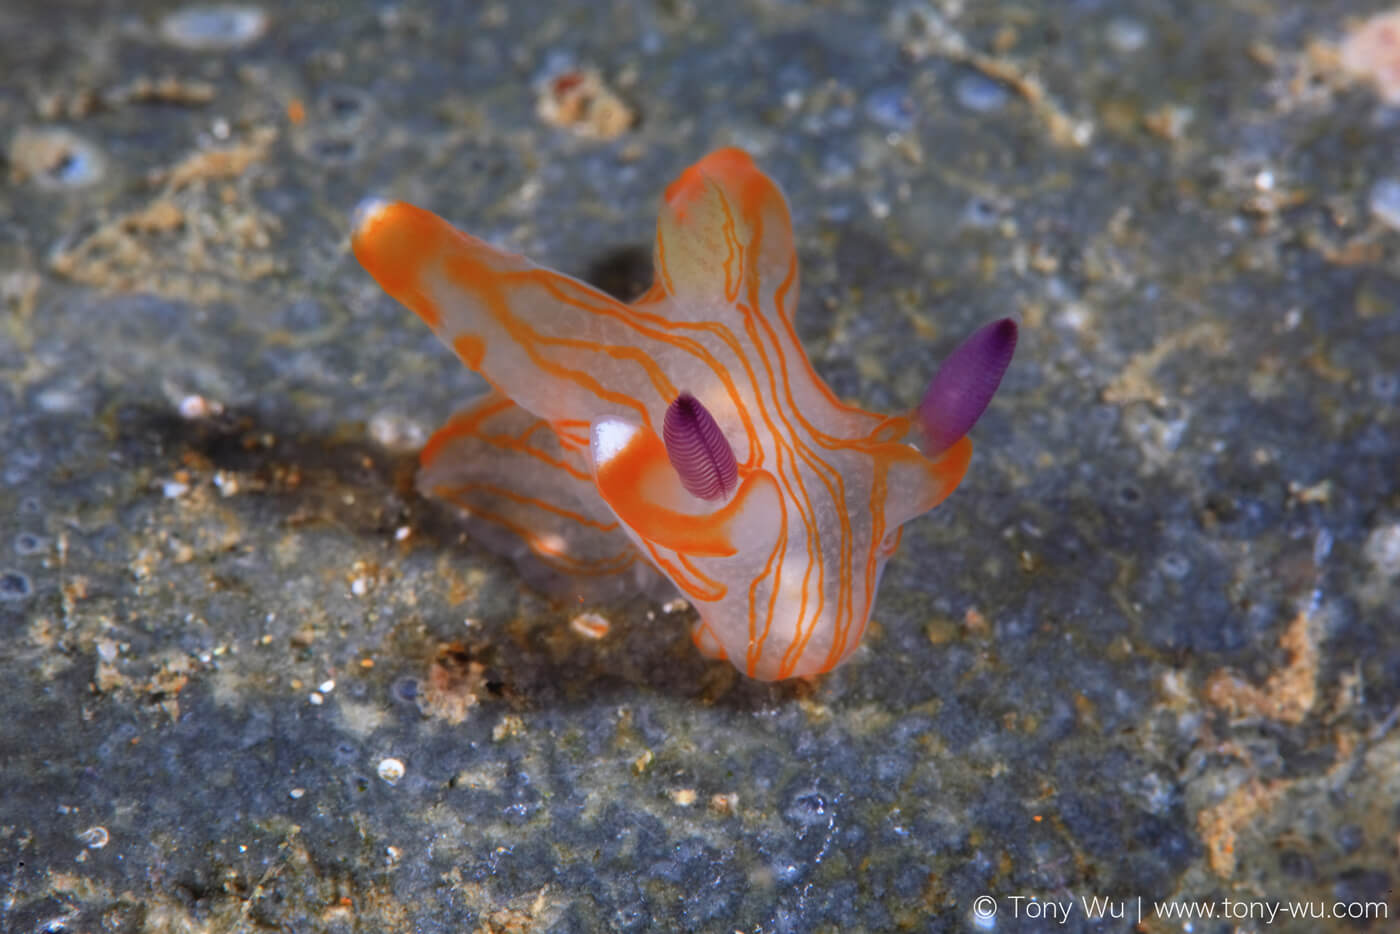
(405, 690)
(335, 150)
(27, 543)
(14, 585)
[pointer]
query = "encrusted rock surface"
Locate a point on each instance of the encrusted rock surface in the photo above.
(1149, 650)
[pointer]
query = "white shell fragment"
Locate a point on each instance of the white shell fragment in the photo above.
(94, 838)
(391, 770)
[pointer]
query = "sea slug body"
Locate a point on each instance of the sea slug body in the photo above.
(686, 431)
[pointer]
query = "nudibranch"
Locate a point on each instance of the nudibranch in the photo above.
(687, 428)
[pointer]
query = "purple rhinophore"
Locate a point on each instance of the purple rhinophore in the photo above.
(964, 385)
(698, 449)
